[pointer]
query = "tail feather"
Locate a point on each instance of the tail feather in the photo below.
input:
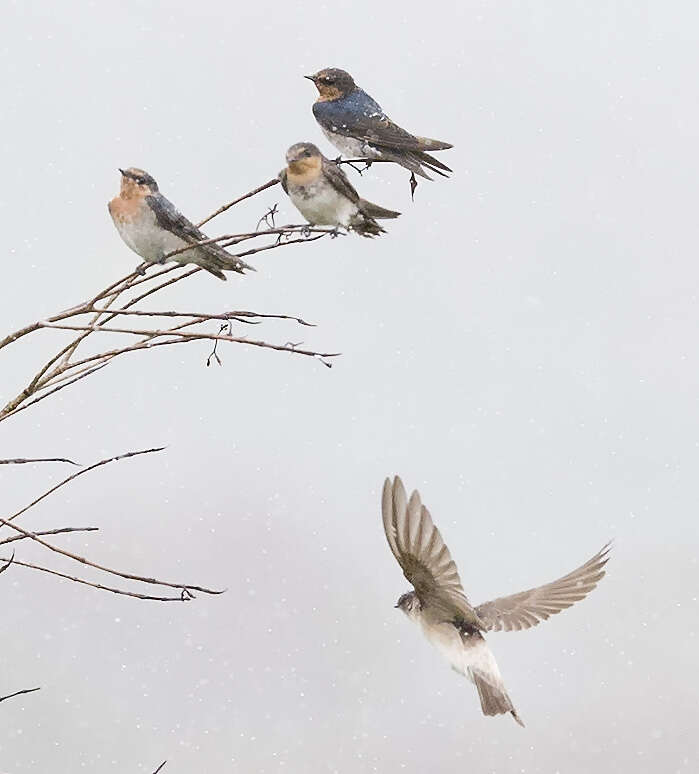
(372, 210)
(224, 261)
(366, 226)
(434, 145)
(493, 696)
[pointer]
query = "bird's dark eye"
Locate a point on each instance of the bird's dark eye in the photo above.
(328, 79)
(141, 180)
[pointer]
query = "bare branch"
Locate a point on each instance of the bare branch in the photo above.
(184, 596)
(103, 568)
(23, 461)
(225, 207)
(82, 472)
(160, 767)
(57, 531)
(20, 693)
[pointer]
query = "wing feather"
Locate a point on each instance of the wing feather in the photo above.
(529, 608)
(422, 554)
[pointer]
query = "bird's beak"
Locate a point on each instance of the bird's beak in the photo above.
(396, 606)
(122, 171)
(310, 78)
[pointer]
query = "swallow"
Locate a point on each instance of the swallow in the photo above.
(438, 602)
(321, 192)
(357, 126)
(153, 227)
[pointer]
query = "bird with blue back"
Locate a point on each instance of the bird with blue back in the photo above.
(358, 127)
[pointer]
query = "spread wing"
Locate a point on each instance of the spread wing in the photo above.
(170, 218)
(422, 554)
(528, 608)
(339, 180)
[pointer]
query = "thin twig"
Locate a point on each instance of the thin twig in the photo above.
(160, 767)
(225, 207)
(58, 531)
(184, 596)
(23, 461)
(19, 693)
(82, 472)
(103, 568)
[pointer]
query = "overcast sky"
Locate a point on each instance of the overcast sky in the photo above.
(521, 347)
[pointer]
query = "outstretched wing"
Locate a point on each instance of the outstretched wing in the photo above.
(529, 608)
(422, 554)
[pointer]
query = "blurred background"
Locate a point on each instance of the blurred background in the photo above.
(521, 347)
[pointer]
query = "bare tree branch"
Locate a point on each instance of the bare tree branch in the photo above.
(184, 596)
(57, 531)
(106, 461)
(24, 461)
(160, 767)
(124, 297)
(20, 693)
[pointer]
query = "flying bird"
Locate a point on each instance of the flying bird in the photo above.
(447, 618)
(357, 126)
(321, 192)
(153, 227)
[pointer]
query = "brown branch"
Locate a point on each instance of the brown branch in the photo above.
(19, 693)
(104, 568)
(274, 181)
(58, 531)
(60, 371)
(23, 461)
(184, 596)
(203, 316)
(82, 472)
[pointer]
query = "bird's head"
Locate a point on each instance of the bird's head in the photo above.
(409, 604)
(137, 183)
(332, 83)
(303, 158)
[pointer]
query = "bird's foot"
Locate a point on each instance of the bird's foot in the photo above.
(141, 269)
(306, 230)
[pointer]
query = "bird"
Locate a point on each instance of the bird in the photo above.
(357, 126)
(321, 192)
(447, 618)
(153, 227)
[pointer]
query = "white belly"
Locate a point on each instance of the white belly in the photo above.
(446, 638)
(147, 239)
(350, 147)
(322, 205)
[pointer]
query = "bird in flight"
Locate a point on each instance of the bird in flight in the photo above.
(447, 618)
(321, 192)
(358, 127)
(153, 227)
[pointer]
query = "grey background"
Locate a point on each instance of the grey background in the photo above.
(521, 347)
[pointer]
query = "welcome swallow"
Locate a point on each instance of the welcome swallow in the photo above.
(321, 192)
(153, 227)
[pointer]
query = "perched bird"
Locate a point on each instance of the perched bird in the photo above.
(324, 196)
(357, 126)
(439, 604)
(153, 227)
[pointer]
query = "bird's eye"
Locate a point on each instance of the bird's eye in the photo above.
(141, 180)
(328, 78)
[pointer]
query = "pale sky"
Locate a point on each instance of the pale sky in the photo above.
(521, 346)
